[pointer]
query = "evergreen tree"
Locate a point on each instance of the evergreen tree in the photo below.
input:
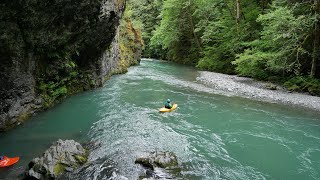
(278, 40)
(176, 33)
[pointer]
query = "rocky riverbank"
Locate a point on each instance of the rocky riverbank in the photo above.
(53, 49)
(61, 157)
(233, 85)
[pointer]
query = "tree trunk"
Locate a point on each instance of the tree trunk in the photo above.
(238, 16)
(316, 43)
(192, 28)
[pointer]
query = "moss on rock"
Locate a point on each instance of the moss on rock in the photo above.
(130, 45)
(52, 63)
(60, 157)
(59, 169)
(81, 159)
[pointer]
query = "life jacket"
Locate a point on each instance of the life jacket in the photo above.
(168, 105)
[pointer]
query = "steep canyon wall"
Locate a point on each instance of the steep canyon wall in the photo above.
(51, 49)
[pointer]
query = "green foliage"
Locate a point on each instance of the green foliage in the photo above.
(222, 37)
(215, 60)
(303, 83)
(144, 14)
(176, 33)
(59, 80)
(261, 39)
(59, 92)
(254, 64)
(281, 48)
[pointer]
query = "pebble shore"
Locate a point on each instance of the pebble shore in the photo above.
(249, 88)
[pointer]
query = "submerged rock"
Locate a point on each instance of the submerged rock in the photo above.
(101, 168)
(159, 165)
(60, 157)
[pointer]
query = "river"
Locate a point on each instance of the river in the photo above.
(214, 136)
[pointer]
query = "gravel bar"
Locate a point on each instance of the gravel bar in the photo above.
(249, 88)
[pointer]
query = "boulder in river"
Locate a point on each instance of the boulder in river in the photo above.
(62, 156)
(159, 165)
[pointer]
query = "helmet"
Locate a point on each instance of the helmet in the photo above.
(168, 101)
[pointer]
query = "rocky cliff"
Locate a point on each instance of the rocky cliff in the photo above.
(50, 49)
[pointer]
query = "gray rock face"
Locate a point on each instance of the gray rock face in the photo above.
(16, 91)
(109, 59)
(113, 61)
(36, 35)
(61, 157)
(159, 165)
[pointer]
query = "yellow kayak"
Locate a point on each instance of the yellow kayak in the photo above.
(164, 110)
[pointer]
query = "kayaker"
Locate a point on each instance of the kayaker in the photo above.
(168, 104)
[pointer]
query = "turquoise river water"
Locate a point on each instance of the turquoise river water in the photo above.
(213, 136)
